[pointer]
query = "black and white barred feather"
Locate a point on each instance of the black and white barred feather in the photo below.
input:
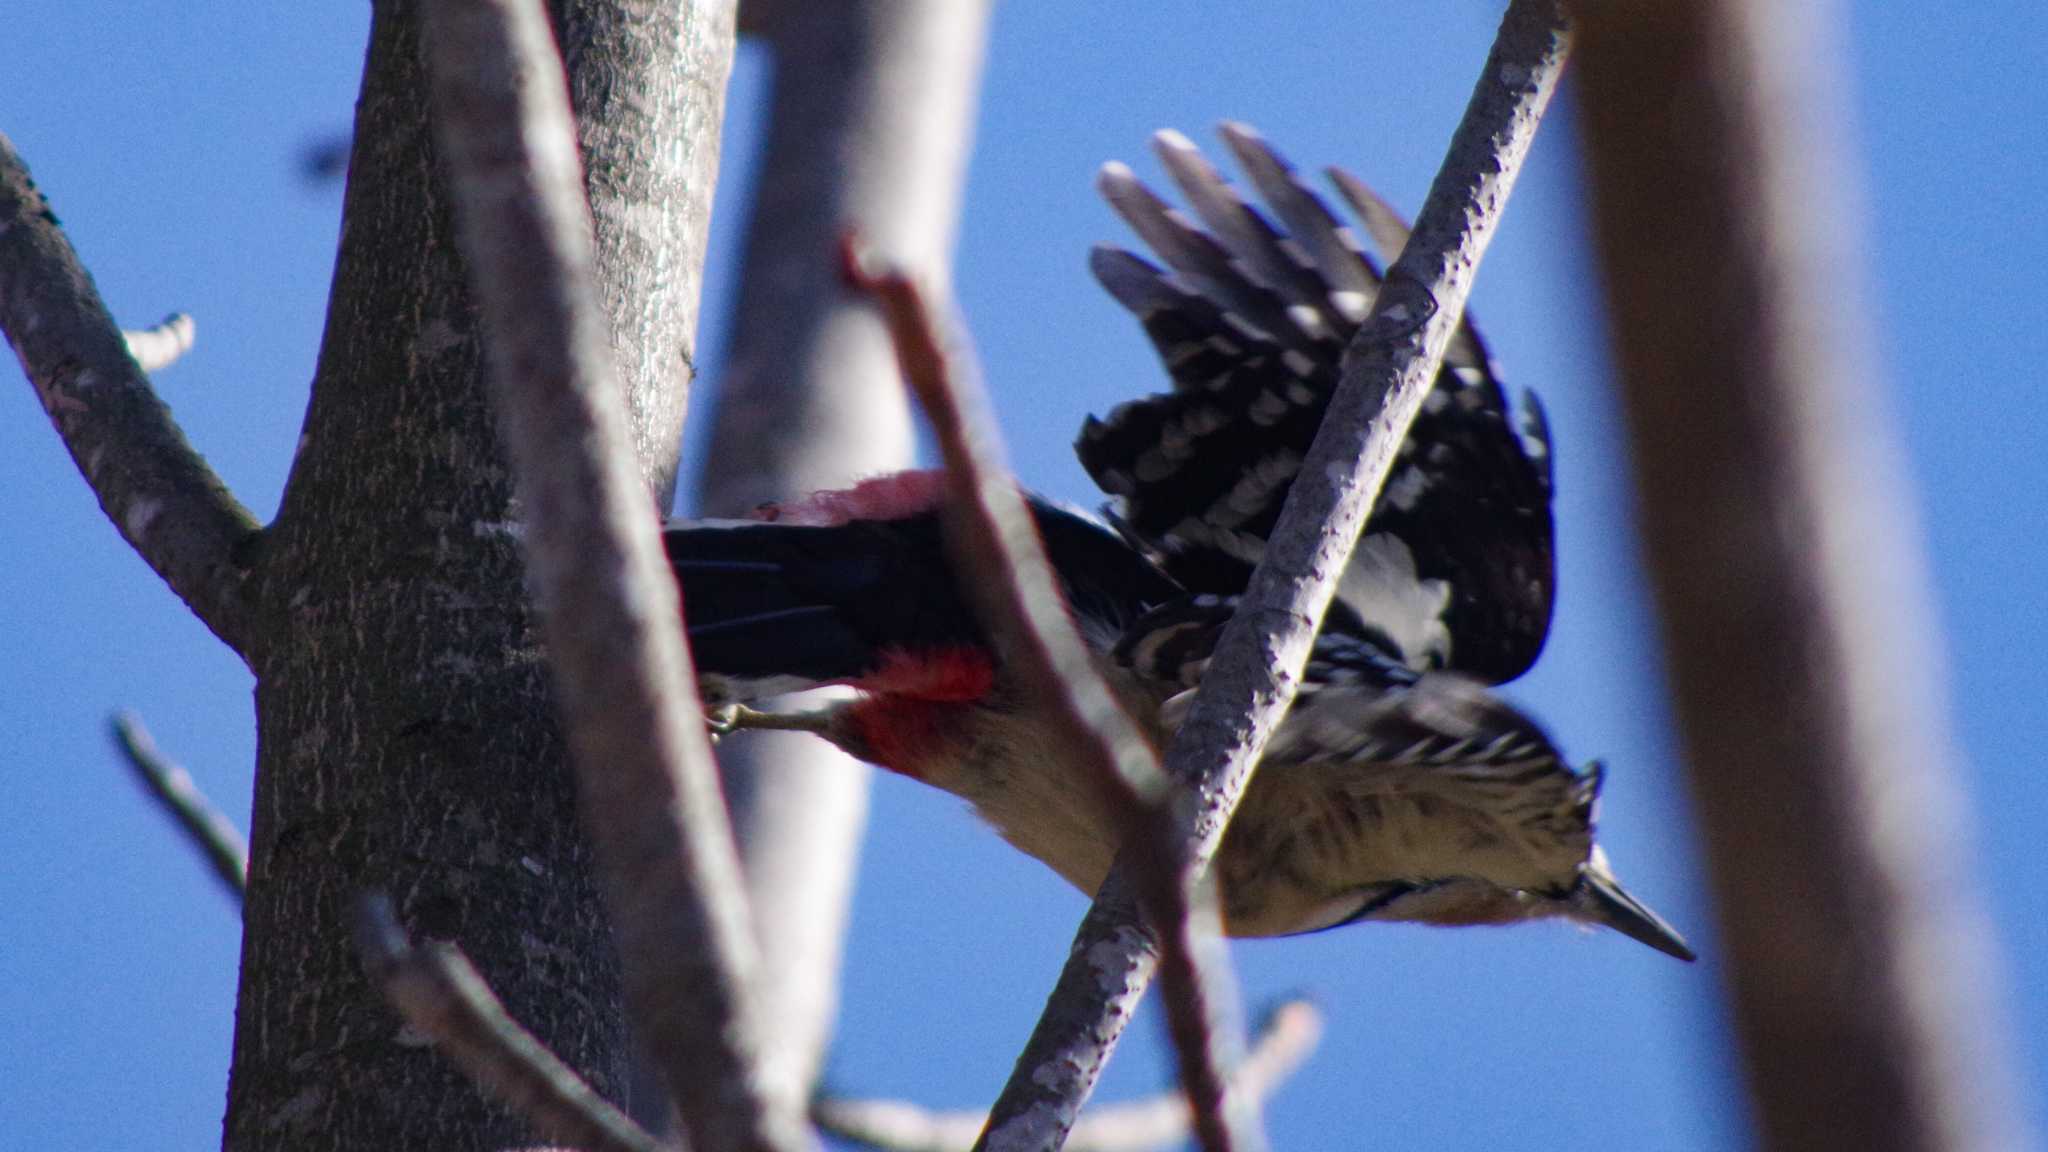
(1454, 569)
(1399, 786)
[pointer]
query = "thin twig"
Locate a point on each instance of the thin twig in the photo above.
(203, 824)
(159, 346)
(994, 545)
(1249, 684)
(442, 996)
(646, 784)
(870, 120)
(992, 540)
(1286, 1039)
(1793, 599)
(159, 493)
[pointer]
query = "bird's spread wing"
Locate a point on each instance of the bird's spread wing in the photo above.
(1455, 567)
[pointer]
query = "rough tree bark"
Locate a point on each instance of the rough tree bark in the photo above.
(405, 735)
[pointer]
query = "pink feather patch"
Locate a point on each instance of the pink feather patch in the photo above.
(952, 675)
(897, 496)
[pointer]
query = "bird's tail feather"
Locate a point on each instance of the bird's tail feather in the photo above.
(774, 608)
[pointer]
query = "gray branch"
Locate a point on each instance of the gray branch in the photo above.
(1779, 532)
(442, 996)
(1286, 1039)
(647, 787)
(870, 120)
(993, 544)
(203, 824)
(159, 493)
(1251, 681)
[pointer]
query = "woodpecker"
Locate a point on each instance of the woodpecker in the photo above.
(1399, 787)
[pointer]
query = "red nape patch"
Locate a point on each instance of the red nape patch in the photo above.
(904, 734)
(949, 675)
(911, 707)
(897, 496)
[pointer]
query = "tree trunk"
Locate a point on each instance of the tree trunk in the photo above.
(406, 739)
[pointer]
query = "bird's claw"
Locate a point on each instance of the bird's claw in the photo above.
(721, 720)
(725, 719)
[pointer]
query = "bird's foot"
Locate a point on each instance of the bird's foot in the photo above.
(726, 719)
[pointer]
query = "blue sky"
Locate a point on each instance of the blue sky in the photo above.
(171, 153)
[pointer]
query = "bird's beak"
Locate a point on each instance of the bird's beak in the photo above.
(1603, 901)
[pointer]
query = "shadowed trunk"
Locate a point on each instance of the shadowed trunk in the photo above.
(406, 740)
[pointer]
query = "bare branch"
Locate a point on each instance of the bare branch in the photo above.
(1251, 681)
(1286, 1039)
(1793, 599)
(158, 492)
(647, 787)
(203, 824)
(443, 997)
(871, 114)
(158, 347)
(994, 545)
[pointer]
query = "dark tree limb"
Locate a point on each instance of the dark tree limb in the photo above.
(204, 825)
(160, 345)
(647, 787)
(1793, 601)
(870, 116)
(443, 998)
(159, 493)
(1252, 679)
(1286, 1039)
(994, 545)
